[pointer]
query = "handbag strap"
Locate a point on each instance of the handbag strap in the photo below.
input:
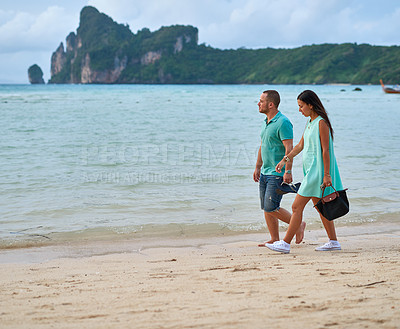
(336, 193)
(323, 190)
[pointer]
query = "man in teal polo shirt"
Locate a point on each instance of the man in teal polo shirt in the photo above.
(276, 142)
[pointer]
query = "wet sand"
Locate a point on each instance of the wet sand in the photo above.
(225, 282)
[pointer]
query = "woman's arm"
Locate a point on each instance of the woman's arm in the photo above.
(324, 137)
(296, 150)
(287, 177)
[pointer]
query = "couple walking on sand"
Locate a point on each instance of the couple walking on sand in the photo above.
(274, 168)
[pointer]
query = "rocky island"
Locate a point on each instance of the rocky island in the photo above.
(105, 52)
(35, 74)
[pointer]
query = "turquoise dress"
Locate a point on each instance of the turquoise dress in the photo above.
(313, 165)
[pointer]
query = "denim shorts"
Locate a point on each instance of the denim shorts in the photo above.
(270, 200)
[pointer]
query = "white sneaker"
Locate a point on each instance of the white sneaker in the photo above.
(331, 245)
(279, 246)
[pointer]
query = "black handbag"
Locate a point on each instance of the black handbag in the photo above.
(333, 205)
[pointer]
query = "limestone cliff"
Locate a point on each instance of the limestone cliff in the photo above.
(72, 42)
(102, 50)
(58, 60)
(109, 75)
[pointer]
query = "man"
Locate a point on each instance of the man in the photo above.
(276, 142)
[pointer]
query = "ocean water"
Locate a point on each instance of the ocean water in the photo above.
(89, 161)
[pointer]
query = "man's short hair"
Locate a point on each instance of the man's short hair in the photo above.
(273, 96)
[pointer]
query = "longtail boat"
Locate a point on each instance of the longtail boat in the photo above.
(390, 90)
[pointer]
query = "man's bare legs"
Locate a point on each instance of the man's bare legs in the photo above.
(273, 226)
(271, 218)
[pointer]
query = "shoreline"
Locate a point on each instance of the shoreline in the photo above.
(34, 238)
(226, 282)
(114, 244)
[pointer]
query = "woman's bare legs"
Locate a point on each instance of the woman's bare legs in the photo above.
(297, 217)
(328, 225)
(271, 218)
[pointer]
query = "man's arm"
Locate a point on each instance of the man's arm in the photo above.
(257, 171)
(287, 177)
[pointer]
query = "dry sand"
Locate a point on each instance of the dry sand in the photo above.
(210, 283)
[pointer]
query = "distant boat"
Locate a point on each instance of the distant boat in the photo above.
(390, 90)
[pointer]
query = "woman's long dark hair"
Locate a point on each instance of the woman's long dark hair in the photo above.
(309, 97)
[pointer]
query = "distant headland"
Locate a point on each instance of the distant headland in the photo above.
(105, 52)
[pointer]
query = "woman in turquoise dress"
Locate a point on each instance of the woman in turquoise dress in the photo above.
(319, 167)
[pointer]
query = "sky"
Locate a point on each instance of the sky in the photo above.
(30, 31)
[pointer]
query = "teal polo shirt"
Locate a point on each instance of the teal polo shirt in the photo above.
(272, 149)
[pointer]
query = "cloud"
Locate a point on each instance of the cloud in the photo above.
(260, 23)
(30, 30)
(27, 38)
(23, 31)
(222, 24)
(14, 66)
(384, 30)
(153, 14)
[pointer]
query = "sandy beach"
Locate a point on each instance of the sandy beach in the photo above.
(224, 282)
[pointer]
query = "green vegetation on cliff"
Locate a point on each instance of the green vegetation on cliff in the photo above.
(108, 52)
(102, 38)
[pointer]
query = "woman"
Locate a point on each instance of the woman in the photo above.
(319, 167)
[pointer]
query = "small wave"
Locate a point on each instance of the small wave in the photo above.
(162, 232)
(26, 239)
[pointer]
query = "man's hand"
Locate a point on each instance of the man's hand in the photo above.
(256, 175)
